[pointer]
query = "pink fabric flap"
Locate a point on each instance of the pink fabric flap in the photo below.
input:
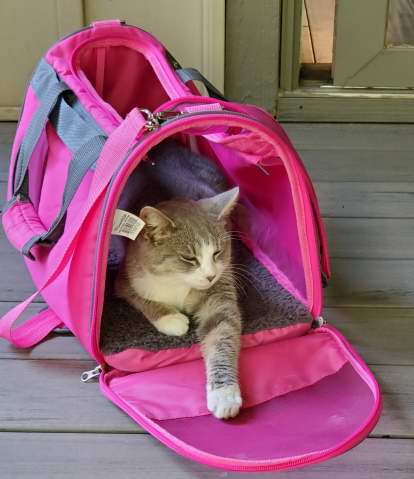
(21, 223)
(137, 360)
(266, 372)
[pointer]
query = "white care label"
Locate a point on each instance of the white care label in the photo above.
(126, 224)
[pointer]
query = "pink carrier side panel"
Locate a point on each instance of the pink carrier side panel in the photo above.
(312, 401)
(53, 176)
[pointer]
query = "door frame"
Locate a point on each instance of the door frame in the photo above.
(372, 63)
(323, 102)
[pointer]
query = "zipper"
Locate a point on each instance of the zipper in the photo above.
(88, 376)
(156, 119)
(319, 322)
(164, 117)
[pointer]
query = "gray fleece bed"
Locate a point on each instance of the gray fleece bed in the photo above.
(173, 171)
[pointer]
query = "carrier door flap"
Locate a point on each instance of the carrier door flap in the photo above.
(301, 396)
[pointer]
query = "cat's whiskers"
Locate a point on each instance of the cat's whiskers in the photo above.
(241, 275)
(237, 283)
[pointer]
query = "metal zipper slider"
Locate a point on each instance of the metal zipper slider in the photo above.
(162, 116)
(152, 122)
(318, 322)
(155, 120)
(321, 321)
(87, 376)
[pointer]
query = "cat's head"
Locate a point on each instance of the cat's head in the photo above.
(189, 240)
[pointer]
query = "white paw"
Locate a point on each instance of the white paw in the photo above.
(224, 402)
(172, 324)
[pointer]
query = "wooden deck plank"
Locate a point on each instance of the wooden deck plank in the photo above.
(339, 136)
(15, 281)
(383, 336)
(389, 342)
(52, 394)
(56, 346)
(376, 283)
(44, 456)
(331, 152)
(369, 165)
(47, 395)
(370, 238)
(352, 199)
(384, 279)
(365, 238)
(365, 200)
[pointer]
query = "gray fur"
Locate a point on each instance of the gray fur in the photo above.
(264, 305)
(180, 267)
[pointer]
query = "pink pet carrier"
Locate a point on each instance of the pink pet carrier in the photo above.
(97, 105)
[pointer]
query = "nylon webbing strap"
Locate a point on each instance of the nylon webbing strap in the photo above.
(71, 128)
(36, 126)
(76, 129)
(191, 74)
(82, 161)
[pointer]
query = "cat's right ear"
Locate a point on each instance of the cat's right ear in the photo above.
(158, 225)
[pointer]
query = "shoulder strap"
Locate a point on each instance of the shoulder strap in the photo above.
(192, 74)
(32, 331)
(115, 151)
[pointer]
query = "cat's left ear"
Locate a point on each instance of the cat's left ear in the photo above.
(221, 204)
(158, 225)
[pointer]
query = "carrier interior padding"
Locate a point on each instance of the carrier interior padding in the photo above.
(174, 171)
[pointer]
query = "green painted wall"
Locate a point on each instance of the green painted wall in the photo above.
(252, 51)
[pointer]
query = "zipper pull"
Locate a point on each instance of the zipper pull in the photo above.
(87, 376)
(319, 322)
(162, 116)
(155, 120)
(152, 122)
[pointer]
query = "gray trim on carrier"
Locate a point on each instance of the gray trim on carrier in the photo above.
(77, 130)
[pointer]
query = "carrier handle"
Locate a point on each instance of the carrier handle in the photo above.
(50, 98)
(79, 133)
(82, 161)
(116, 149)
(192, 74)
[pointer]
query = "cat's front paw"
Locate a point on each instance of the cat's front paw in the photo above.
(175, 324)
(224, 402)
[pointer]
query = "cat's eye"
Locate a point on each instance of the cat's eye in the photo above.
(189, 259)
(217, 253)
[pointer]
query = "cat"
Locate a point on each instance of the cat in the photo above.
(179, 268)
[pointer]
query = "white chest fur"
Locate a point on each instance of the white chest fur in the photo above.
(162, 290)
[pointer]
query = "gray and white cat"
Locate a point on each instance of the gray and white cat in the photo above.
(180, 267)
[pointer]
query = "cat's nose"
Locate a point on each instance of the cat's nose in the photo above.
(211, 277)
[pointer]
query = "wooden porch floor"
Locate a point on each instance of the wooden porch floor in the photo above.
(53, 426)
